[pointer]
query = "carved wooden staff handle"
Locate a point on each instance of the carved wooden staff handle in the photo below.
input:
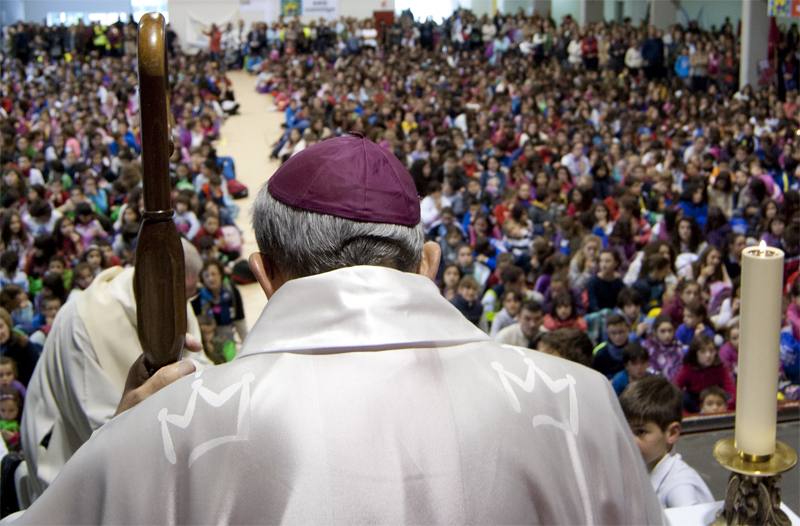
(159, 283)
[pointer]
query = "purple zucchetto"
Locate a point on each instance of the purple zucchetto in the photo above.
(348, 177)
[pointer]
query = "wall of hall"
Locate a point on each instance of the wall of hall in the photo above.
(36, 10)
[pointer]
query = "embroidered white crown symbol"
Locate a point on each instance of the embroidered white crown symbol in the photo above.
(214, 400)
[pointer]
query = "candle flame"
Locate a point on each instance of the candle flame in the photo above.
(762, 247)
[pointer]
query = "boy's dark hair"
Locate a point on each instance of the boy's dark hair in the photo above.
(628, 296)
(531, 306)
(634, 352)
(100, 241)
(712, 390)
(656, 262)
(129, 231)
(516, 294)
(652, 399)
(205, 243)
(40, 208)
(183, 199)
(60, 259)
(617, 319)
(698, 343)
(572, 344)
(83, 209)
(55, 283)
(511, 274)
(9, 261)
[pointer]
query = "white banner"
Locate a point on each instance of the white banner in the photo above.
(328, 9)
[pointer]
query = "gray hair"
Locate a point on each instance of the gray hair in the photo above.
(192, 261)
(303, 243)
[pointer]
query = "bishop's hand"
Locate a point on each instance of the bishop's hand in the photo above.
(141, 385)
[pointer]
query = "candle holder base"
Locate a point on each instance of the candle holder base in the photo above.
(753, 496)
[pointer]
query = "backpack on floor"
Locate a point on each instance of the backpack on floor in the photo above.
(236, 189)
(227, 166)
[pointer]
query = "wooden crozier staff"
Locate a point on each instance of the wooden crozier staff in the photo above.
(159, 284)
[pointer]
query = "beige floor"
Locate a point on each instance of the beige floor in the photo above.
(247, 138)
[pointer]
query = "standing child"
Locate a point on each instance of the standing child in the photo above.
(653, 409)
(703, 368)
(10, 412)
(635, 358)
(666, 352)
(695, 322)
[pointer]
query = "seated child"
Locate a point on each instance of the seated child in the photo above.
(635, 358)
(466, 302)
(93, 256)
(653, 408)
(218, 348)
(695, 321)
(9, 273)
(50, 307)
(475, 269)
(564, 314)
(450, 243)
(82, 277)
(629, 304)
(559, 283)
(666, 352)
(712, 400)
(570, 344)
(729, 352)
(703, 368)
(608, 355)
(8, 375)
(512, 300)
(686, 292)
(10, 413)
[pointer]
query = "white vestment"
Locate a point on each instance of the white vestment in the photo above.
(363, 396)
(79, 378)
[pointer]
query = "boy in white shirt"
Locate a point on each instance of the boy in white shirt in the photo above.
(654, 409)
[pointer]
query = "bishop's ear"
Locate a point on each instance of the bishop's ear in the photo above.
(429, 266)
(266, 272)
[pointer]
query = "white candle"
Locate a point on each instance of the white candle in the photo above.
(759, 350)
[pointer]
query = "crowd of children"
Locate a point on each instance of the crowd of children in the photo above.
(617, 194)
(71, 197)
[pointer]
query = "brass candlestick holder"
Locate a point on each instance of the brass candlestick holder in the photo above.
(753, 497)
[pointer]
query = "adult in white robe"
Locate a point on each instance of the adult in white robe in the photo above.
(80, 376)
(361, 395)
